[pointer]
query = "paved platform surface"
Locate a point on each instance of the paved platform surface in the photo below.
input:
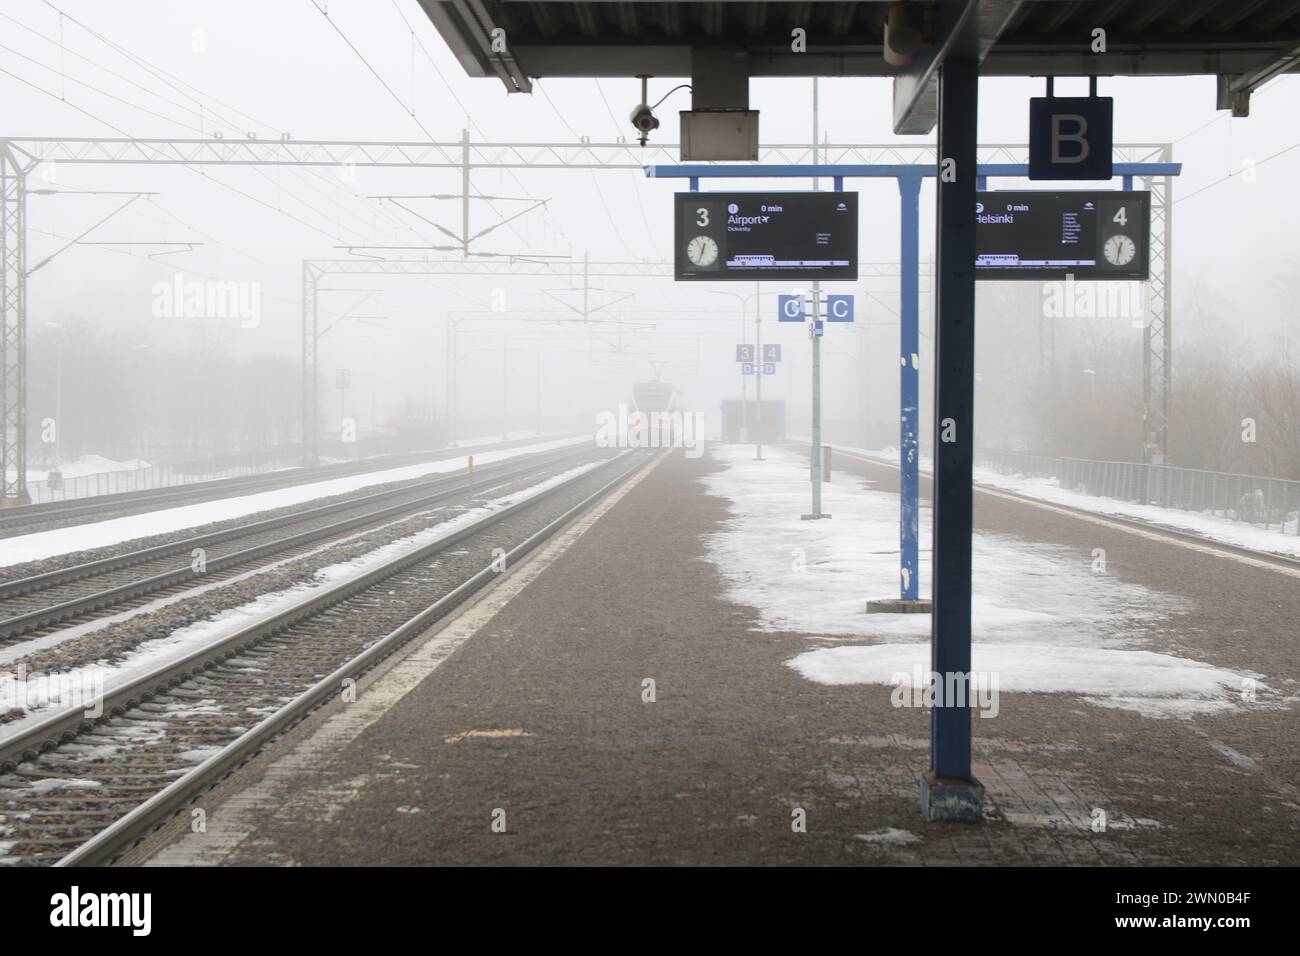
(536, 711)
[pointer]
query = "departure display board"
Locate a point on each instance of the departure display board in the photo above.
(1049, 235)
(762, 235)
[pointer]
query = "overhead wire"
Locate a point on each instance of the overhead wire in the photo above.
(1238, 172)
(595, 182)
(546, 214)
(640, 203)
(63, 99)
(410, 112)
(199, 97)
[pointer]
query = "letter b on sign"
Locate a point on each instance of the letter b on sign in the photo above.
(1070, 137)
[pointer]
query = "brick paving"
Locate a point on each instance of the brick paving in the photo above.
(541, 715)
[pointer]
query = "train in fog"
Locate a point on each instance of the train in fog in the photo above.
(655, 396)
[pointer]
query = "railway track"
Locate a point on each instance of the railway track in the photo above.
(1174, 534)
(52, 514)
(38, 604)
(76, 790)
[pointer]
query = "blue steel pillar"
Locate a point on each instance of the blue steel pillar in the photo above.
(948, 791)
(909, 189)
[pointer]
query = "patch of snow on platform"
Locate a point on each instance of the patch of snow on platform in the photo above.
(1019, 585)
(1042, 621)
(1153, 684)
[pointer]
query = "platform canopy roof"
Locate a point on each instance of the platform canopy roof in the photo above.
(1245, 42)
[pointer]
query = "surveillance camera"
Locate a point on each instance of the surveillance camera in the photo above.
(643, 118)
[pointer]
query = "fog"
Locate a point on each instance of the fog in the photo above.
(126, 374)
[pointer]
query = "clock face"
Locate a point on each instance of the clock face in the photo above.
(1119, 250)
(702, 251)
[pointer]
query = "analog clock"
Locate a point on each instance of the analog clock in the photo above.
(1119, 250)
(702, 251)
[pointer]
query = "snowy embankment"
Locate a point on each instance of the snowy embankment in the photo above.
(77, 686)
(1213, 527)
(45, 544)
(1042, 620)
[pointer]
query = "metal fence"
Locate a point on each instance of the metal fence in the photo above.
(154, 476)
(1272, 503)
(288, 455)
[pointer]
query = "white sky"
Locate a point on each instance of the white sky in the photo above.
(284, 67)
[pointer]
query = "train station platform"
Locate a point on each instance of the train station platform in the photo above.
(671, 683)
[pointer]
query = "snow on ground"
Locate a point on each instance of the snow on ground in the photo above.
(1153, 684)
(1207, 525)
(89, 465)
(854, 556)
(44, 544)
(15, 652)
(491, 439)
(1210, 526)
(37, 695)
(1041, 619)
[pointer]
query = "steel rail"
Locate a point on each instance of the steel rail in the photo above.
(117, 562)
(148, 816)
(75, 607)
(30, 514)
(64, 725)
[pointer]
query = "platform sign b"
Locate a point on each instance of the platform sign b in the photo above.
(1070, 137)
(744, 353)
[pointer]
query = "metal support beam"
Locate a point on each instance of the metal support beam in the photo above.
(468, 26)
(815, 453)
(909, 388)
(969, 28)
(464, 192)
(1157, 336)
(948, 791)
(1015, 170)
(1234, 91)
(13, 336)
(758, 367)
(310, 347)
(1228, 99)
(584, 153)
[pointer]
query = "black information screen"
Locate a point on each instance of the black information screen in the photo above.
(1048, 235)
(757, 235)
